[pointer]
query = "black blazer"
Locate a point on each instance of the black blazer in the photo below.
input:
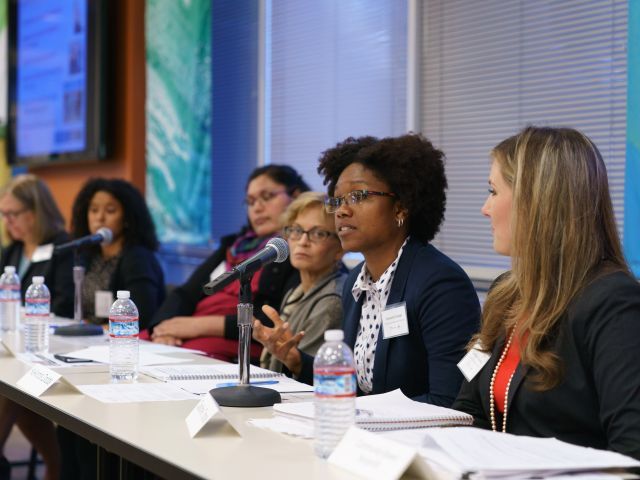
(443, 313)
(57, 273)
(139, 271)
(276, 279)
(597, 404)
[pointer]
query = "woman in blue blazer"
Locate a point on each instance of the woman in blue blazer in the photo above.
(388, 197)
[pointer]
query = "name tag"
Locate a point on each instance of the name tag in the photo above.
(42, 253)
(37, 380)
(205, 410)
(103, 302)
(373, 456)
(394, 321)
(473, 362)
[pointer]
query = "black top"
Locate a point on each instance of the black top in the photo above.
(276, 279)
(597, 404)
(57, 273)
(138, 270)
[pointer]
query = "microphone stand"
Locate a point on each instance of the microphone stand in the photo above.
(245, 394)
(78, 278)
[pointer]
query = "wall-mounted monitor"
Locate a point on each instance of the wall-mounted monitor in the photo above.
(58, 84)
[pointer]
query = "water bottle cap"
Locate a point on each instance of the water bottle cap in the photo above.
(37, 280)
(10, 269)
(123, 294)
(333, 336)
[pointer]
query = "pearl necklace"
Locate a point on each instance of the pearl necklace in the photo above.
(492, 401)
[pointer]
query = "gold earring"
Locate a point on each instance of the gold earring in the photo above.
(400, 222)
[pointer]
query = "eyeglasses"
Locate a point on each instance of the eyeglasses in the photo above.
(316, 234)
(331, 204)
(12, 214)
(263, 197)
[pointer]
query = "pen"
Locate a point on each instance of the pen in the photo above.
(235, 384)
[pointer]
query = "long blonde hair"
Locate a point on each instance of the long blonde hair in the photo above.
(563, 236)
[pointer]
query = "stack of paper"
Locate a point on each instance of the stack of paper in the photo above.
(475, 453)
(387, 411)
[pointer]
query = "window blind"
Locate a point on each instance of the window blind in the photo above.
(337, 69)
(490, 68)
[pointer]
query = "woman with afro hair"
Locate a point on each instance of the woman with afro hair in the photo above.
(409, 310)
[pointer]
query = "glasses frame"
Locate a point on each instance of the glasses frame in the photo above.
(12, 214)
(331, 207)
(263, 197)
(286, 233)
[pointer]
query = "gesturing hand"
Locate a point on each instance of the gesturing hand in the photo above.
(279, 340)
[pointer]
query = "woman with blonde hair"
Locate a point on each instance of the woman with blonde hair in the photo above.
(315, 305)
(34, 224)
(563, 326)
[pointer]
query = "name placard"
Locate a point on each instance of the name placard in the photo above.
(373, 456)
(204, 411)
(37, 380)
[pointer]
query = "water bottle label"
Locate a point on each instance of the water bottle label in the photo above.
(335, 384)
(123, 327)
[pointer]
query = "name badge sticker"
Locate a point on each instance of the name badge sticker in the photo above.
(37, 380)
(42, 253)
(473, 362)
(394, 321)
(103, 302)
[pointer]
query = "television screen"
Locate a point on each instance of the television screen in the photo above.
(56, 80)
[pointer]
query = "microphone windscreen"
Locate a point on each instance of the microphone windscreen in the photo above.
(282, 248)
(106, 234)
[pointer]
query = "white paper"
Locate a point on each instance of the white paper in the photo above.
(204, 411)
(100, 353)
(284, 425)
(135, 392)
(282, 385)
(503, 454)
(373, 456)
(387, 411)
(37, 380)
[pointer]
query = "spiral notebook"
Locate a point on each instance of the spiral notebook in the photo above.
(205, 372)
(387, 411)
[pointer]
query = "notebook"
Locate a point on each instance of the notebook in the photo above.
(221, 371)
(387, 411)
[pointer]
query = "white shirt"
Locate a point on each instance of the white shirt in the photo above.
(374, 303)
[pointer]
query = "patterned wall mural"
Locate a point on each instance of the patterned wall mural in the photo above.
(178, 110)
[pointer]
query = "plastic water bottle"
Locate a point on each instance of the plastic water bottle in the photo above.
(334, 382)
(37, 301)
(10, 300)
(123, 338)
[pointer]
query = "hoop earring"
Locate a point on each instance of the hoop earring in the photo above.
(400, 222)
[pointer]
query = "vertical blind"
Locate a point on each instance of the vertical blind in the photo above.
(490, 68)
(337, 69)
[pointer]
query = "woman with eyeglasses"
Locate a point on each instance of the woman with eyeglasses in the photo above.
(189, 318)
(314, 250)
(409, 310)
(34, 225)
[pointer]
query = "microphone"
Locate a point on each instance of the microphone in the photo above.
(103, 235)
(276, 250)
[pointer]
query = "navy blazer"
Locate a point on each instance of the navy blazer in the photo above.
(443, 313)
(597, 402)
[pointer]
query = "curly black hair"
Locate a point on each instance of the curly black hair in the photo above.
(411, 166)
(282, 174)
(138, 227)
